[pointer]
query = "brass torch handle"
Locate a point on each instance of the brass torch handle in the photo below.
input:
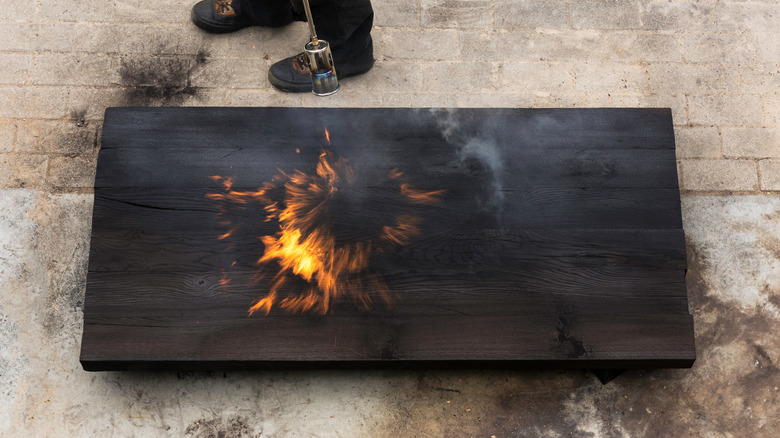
(313, 33)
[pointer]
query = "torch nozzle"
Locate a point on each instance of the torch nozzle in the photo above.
(310, 20)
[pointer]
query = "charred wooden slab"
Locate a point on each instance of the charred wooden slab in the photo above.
(558, 241)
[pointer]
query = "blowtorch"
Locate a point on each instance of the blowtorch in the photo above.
(323, 74)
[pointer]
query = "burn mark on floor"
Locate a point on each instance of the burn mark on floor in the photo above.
(159, 80)
(230, 427)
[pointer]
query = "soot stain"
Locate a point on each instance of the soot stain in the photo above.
(160, 80)
(230, 427)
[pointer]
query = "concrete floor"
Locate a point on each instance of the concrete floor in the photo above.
(715, 63)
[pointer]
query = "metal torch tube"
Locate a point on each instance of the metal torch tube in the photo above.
(310, 20)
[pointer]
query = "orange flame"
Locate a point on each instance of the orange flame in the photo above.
(305, 247)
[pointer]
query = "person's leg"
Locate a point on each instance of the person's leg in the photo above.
(346, 26)
(220, 16)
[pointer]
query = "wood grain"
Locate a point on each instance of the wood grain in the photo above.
(558, 241)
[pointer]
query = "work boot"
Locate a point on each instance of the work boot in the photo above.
(292, 74)
(220, 16)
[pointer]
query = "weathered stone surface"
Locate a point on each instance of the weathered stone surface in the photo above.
(400, 13)
(43, 102)
(530, 14)
(67, 69)
(676, 78)
(73, 136)
(231, 73)
(496, 45)
(7, 134)
(698, 142)
(464, 14)
(664, 15)
(22, 170)
(768, 49)
(719, 175)
(33, 37)
(15, 68)
(457, 77)
(751, 143)
(417, 44)
(721, 110)
(604, 14)
(72, 171)
(748, 16)
(720, 47)
(770, 174)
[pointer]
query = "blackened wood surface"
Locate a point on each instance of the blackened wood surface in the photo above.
(558, 241)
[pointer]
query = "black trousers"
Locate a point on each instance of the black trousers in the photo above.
(344, 24)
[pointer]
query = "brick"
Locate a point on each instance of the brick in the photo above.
(452, 77)
(207, 97)
(530, 14)
(751, 143)
(770, 174)
(604, 15)
(685, 79)
(644, 47)
(67, 69)
(7, 134)
(572, 45)
(399, 13)
(464, 14)
(735, 47)
(614, 78)
(496, 46)
(388, 76)
(425, 44)
(418, 100)
(748, 16)
(590, 44)
(146, 11)
(496, 100)
(56, 136)
(15, 68)
(33, 37)
(581, 100)
(231, 73)
(72, 171)
(142, 38)
(537, 78)
(719, 175)
(269, 97)
(667, 15)
(12, 9)
(751, 78)
(768, 47)
(22, 170)
(84, 10)
(257, 42)
(697, 142)
(91, 103)
(725, 110)
(42, 102)
(770, 106)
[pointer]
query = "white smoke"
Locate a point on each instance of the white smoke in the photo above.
(480, 148)
(486, 152)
